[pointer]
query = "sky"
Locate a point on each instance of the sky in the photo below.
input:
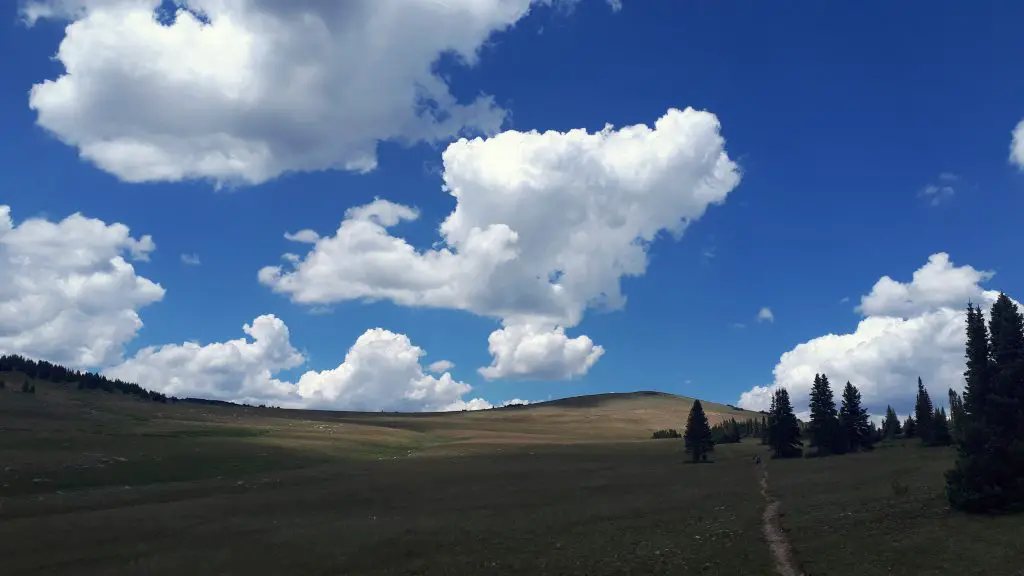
(455, 204)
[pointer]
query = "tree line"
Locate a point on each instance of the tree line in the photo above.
(986, 423)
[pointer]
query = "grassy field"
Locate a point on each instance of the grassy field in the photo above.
(93, 483)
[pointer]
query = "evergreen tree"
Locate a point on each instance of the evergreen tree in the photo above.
(858, 433)
(783, 427)
(989, 472)
(910, 427)
(924, 414)
(940, 429)
(698, 433)
(764, 430)
(24, 387)
(956, 414)
(824, 426)
(891, 425)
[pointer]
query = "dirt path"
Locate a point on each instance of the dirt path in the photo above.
(782, 551)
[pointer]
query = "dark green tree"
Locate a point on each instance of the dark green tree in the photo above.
(764, 430)
(698, 433)
(824, 425)
(783, 427)
(891, 425)
(24, 387)
(940, 429)
(858, 433)
(956, 414)
(909, 427)
(924, 414)
(988, 475)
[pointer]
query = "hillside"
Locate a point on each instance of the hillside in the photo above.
(601, 417)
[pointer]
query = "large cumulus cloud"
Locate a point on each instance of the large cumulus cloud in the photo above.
(909, 329)
(545, 226)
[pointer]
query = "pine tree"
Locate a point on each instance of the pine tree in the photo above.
(764, 429)
(924, 414)
(909, 427)
(940, 429)
(698, 433)
(989, 472)
(783, 427)
(824, 426)
(956, 414)
(891, 425)
(858, 433)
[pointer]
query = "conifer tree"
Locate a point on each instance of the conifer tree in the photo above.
(824, 426)
(940, 429)
(924, 414)
(891, 425)
(783, 427)
(989, 472)
(909, 427)
(956, 414)
(858, 433)
(698, 433)
(764, 429)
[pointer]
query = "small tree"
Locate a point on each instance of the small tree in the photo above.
(940, 429)
(891, 425)
(910, 427)
(824, 426)
(698, 433)
(956, 414)
(783, 427)
(857, 430)
(25, 387)
(924, 414)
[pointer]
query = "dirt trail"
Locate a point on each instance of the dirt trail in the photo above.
(781, 550)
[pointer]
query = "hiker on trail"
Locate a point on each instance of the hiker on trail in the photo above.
(757, 459)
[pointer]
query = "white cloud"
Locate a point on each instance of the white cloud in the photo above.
(910, 329)
(441, 366)
(67, 293)
(238, 369)
(381, 371)
(765, 315)
(545, 226)
(935, 285)
(255, 88)
(941, 190)
(516, 402)
(539, 352)
(1017, 146)
(190, 259)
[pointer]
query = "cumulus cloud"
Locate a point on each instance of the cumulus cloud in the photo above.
(381, 371)
(545, 226)
(441, 366)
(67, 293)
(241, 91)
(765, 315)
(1017, 146)
(909, 329)
(537, 352)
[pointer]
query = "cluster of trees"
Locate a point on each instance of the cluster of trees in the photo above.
(988, 475)
(928, 423)
(829, 431)
(670, 433)
(730, 431)
(43, 370)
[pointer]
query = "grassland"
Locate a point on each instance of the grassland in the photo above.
(93, 483)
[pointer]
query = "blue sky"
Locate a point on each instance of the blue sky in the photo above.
(840, 118)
